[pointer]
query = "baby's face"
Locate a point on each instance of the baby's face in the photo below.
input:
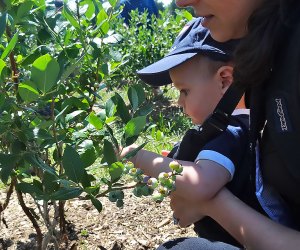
(200, 91)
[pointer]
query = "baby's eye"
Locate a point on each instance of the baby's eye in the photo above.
(184, 91)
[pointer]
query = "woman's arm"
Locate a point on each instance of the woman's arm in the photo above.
(249, 227)
(197, 182)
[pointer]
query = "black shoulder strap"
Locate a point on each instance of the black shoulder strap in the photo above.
(213, 126)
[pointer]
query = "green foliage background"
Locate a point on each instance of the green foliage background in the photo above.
(70, 99)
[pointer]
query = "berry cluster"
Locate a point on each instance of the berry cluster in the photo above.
(159, 187)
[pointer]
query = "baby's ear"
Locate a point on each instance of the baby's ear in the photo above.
(225, 75)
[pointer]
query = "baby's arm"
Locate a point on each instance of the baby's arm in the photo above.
(198, 182)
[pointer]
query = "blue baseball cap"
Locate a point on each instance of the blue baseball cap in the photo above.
(192, 40)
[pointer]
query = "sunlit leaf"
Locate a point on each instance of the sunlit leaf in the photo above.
(11, 45)
(95, 121)
(44, 72)
(116, 171)
(74, 115)
(135, 126)
(70, 17)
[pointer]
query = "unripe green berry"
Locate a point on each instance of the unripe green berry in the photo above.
(152, 182)
(169, 184)
(179, 170)
(163, 176)
(120, 203)
(158, 197)
(163, 191)
(132, 171)
(174, 165)
(129, 165)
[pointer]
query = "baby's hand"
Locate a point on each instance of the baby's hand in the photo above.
(127, 150)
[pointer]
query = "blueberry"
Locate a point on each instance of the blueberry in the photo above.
(112, 196)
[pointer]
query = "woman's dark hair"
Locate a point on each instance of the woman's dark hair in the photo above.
(267, 28)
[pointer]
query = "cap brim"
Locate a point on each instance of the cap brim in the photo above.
(157, 74)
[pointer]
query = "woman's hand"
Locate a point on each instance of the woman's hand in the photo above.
(185, 211)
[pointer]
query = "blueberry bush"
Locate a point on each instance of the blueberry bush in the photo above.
(62, 111)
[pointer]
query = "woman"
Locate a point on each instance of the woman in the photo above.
(270, 30)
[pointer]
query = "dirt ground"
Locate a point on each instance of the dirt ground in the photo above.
(140, 224)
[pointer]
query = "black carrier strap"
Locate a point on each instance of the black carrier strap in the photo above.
(213, 126)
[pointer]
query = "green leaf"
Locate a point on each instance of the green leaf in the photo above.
(24, 9)
(70, 17)
(112, 137)
(110, 107)
(35, 161)
(116, 171)
(113, 2)
(122, 110)
(90, 10)
(17, 147)
(50, 183)
(66, 193)
(86, 180)
(2, 99)
(44, 72)
(101, 17)
(74, 114)
(135, 126)
(88, 157)
(3, 20)
(97, 204)
(144, 110)
(159, 135)
(2, 70)
(28, 91)
(31, 58)
(7, 164)
(95, 121)
(109, 152)
(136, 96)
(92, 190)
(187, 15)
(70, 69)
(11, 45)
(29, 188)
(61, 113)
(134, 152)
(74, 168)
(102, 21)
